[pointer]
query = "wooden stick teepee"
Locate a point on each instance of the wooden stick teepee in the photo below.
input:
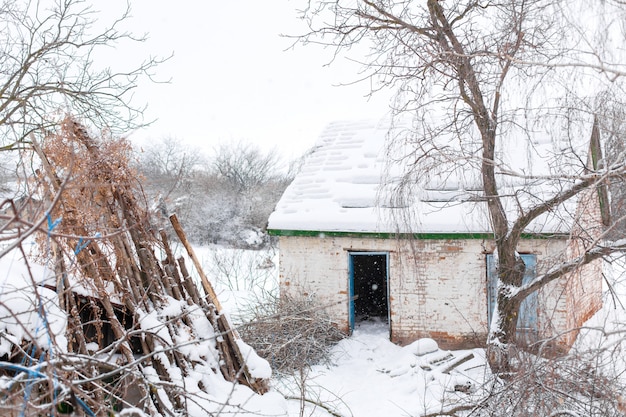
(124, 273)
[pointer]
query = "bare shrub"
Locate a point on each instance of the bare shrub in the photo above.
(169, 167)
(225, 200)
(292, 334)
(240, 270)
(581, 384)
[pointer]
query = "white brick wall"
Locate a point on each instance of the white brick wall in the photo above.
(438, 288)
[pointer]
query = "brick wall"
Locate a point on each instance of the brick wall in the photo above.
(584, 289)
(437, 288)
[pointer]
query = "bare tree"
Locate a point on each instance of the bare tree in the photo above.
(245, 166)
(47, 70)
(478, 77)
(168, 165)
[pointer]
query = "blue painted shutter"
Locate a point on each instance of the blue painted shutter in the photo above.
(527, 319)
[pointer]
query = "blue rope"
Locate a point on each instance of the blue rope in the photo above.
(32, 373)
(52, 224)
(20, 369)
(80, 245)
(85, 407)
(30, 385)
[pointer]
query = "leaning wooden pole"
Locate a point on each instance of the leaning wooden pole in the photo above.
(208, 288)
(232, 351)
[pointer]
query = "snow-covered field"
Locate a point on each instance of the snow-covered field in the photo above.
(242, 278)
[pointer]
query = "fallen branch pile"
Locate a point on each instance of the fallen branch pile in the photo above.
(291, 333)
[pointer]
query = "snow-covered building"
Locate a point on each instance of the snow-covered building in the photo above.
(424, 264)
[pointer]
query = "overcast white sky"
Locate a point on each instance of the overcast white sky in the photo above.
(231, 78)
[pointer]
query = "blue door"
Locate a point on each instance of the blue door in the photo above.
(527, 318)
(368, 284)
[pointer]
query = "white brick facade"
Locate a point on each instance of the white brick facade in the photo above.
(437, 288)
(345, 193)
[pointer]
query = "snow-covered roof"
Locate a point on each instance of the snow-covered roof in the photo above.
(346, 185)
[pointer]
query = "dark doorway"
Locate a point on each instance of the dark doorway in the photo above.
(368, 287)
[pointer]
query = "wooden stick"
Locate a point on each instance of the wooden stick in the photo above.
(230, 349)
(203, 278)
(190, 287)
(456, 362)
(170, 268)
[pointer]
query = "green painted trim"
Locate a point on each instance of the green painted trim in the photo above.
(422, 236)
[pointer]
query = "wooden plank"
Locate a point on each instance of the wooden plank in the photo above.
(169, 266)
(456, 362)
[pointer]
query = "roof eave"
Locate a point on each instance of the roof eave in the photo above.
(421, 235)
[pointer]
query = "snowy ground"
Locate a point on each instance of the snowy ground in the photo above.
(369, 376)
(366, 375)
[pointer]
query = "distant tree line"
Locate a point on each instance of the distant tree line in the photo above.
(223, 198)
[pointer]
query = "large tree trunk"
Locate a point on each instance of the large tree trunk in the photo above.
(510, 267)
(503, 330)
